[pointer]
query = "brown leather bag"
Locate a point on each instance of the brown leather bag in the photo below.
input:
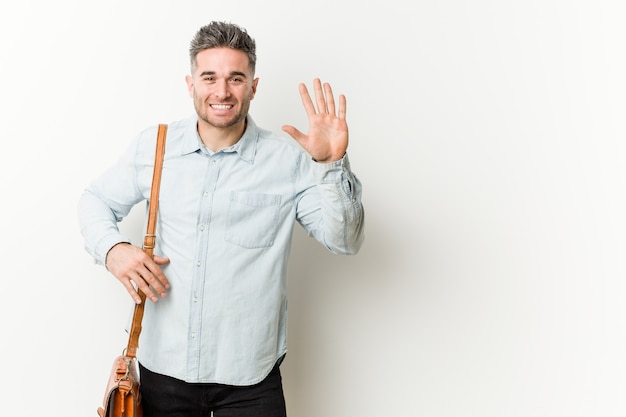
(122, 397)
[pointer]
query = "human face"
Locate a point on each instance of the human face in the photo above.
(222, 87)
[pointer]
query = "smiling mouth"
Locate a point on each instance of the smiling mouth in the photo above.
(221, 106)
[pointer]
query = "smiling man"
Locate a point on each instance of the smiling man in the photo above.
(215, 330)
(222, 85)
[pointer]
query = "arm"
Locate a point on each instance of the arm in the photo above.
(105, 202)
(331, 211)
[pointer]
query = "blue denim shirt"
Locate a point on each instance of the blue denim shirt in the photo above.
(225, 221)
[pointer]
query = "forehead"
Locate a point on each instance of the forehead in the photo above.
(222, 60)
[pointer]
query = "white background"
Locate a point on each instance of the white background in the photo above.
(490, 139)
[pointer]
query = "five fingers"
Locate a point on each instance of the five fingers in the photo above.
(138, 272)
(324, 99)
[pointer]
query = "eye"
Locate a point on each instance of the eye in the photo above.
(236, 80)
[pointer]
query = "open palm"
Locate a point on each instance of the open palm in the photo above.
(327, 139)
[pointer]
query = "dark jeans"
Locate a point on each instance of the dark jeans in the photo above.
(164, 396)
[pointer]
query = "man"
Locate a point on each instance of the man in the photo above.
(214, 334)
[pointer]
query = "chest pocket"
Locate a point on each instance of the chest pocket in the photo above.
(252, 219)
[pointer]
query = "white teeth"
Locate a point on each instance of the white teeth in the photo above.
(221, 106)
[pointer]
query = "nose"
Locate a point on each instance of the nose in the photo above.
(221, 89)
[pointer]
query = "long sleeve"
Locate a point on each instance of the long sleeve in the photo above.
(332, 211)
(105, 202)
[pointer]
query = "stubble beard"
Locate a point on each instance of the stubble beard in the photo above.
(202, 109)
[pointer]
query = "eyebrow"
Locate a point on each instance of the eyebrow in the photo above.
(239, 73)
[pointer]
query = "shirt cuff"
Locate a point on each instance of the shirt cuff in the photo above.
(104, 246)
(331, 172)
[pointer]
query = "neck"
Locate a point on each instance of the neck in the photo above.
(218, 138)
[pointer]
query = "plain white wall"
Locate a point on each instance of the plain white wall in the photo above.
(490, 139)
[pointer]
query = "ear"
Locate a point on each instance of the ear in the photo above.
(255, 82)
(189, 82)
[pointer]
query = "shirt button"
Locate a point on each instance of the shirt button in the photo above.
(198, 263)
(193, 335)
(206, 194)
(202, 228)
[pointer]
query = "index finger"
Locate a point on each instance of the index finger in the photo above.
(306, 99)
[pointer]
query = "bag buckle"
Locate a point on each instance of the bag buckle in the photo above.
(145, 241)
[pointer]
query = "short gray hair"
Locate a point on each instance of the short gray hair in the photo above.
(223, 34)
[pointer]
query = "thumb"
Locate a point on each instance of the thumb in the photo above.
(293, 132)
(160, 260)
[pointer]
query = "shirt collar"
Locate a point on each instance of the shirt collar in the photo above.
(245, 146)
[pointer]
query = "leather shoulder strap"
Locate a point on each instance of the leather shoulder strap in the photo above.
(149, 239)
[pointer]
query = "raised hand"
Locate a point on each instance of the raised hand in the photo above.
(327, 139)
